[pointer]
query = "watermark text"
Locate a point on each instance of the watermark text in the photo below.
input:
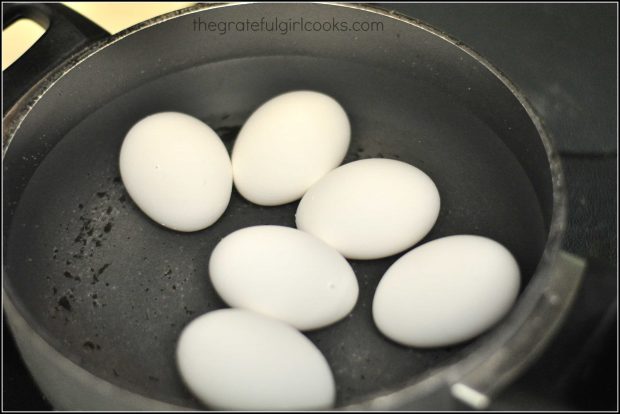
(285, 26)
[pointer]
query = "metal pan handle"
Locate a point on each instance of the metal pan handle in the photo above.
(66, 32)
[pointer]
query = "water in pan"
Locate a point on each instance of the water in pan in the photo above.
(113, 290)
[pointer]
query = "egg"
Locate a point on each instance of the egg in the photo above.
(370, 208)
(284, 273)
(233, 359)
(446, 291)
(287, 144)
(177, 171)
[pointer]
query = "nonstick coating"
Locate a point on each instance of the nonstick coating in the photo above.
(112, 289)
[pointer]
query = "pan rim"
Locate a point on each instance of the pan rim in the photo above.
(543, 276)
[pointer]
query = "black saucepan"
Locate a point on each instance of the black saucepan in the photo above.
(97, 294)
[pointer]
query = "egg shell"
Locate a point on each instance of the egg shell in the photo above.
(371, 208)
(177, 170)
(287, 144)
(233, 359)
(284, 273)
(446, 291)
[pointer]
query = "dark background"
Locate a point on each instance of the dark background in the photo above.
(563, 57)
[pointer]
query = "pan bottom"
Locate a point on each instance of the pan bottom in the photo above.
(112, 290)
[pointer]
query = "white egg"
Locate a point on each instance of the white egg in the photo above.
(370, 208)
(177, 170)
(233, 359)
(287, 144)
(446, 291)
(284, 273)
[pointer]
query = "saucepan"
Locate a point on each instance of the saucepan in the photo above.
(97, 294)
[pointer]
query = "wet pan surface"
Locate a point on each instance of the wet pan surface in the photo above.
(113, 289)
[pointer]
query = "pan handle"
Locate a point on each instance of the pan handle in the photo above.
(66, 32)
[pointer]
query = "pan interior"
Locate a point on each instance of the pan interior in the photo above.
(112, 290)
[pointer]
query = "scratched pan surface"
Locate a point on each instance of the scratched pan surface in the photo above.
(112, 290)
